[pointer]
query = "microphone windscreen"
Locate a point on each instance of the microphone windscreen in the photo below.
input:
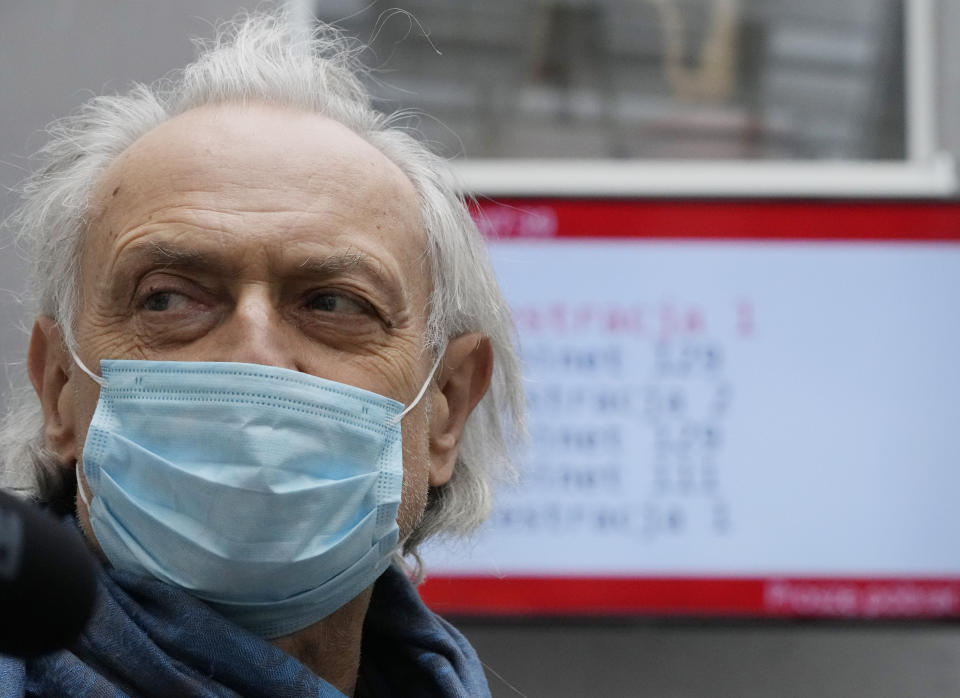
(47, 580)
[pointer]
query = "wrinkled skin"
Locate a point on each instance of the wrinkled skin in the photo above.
(272, 236)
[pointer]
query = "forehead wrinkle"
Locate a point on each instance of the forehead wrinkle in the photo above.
(327, 191)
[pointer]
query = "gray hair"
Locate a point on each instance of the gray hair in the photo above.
(265, 58)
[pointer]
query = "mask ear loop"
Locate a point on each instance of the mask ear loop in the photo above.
(99, 380)
(83, 495)
(423, 390)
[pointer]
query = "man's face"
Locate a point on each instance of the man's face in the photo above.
(262, 235)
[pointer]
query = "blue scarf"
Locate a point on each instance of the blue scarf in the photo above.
(147, 638)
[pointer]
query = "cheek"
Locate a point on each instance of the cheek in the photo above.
(102, 338)
(86, 395)
(393, 371)
(415, 472)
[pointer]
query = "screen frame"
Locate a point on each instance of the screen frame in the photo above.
(926, 172)
(711, 598)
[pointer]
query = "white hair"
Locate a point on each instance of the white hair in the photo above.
(265, 58)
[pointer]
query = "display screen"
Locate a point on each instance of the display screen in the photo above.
(736, 408)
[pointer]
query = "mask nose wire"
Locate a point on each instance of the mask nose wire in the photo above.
(99, 380)
(423, 390)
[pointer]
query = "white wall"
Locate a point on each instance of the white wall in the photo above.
(54, 54)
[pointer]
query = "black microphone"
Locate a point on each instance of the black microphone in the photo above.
(48, 580)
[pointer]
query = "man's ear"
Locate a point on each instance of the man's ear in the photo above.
(48, 363)
(463, 379)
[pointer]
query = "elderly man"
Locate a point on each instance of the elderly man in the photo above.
(269, 354)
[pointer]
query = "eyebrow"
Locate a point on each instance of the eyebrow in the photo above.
(344, 262)
(337, 264)
(167, 255)
(172, 256)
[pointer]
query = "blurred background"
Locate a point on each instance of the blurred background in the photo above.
(642, 78)
(626, 80)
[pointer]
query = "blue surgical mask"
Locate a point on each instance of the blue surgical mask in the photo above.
(271, 495)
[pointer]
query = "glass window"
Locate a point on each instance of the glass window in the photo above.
(634, 79)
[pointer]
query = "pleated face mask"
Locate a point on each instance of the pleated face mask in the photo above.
(270, 494)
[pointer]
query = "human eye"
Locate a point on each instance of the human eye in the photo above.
(164, 301)
(165, 298)
(336, 302)
(171, 309)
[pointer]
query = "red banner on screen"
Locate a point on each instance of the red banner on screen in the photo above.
(894, 221)
(684, 596)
